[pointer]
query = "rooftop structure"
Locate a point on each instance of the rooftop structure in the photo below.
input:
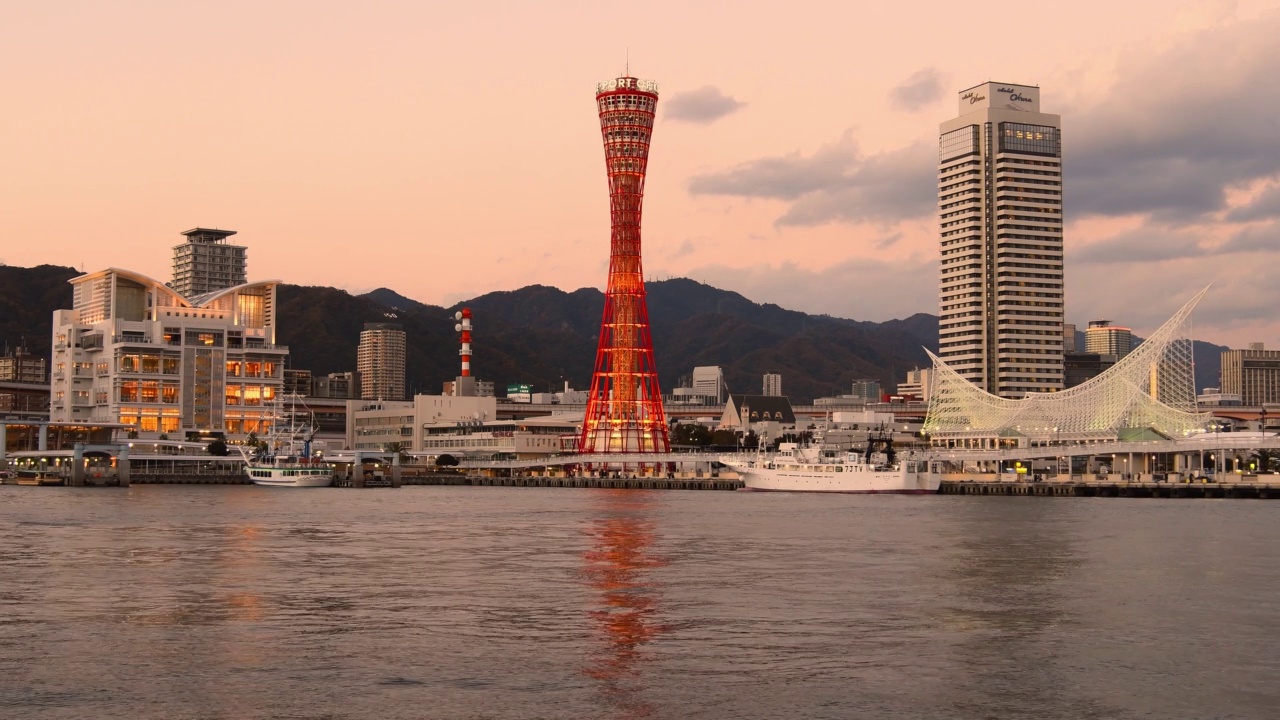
(206, 263)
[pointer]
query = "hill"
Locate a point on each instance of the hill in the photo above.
(545, 336)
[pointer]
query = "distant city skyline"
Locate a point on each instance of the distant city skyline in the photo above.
(393, 144)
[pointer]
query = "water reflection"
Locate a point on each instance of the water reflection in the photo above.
(626, 612)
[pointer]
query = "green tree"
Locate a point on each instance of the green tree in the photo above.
(399, 449)
(219, 448)
(446, 460)
(1264, 460)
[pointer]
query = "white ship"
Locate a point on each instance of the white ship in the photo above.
(805, 469)
(286, 460)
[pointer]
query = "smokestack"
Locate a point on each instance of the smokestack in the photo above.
(464, 327)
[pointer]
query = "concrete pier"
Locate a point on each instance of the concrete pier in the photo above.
(1240, 490)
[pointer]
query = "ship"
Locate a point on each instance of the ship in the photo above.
(284, 459)
(807, 468)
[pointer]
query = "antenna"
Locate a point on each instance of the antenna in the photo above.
(628, 70)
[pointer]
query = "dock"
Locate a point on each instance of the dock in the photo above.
(1187, 490)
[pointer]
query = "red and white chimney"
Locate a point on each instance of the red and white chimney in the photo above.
(464, 327)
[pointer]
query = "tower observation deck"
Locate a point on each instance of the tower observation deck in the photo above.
(624, 408)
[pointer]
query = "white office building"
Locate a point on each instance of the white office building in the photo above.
(1000, 209)
(133, 350)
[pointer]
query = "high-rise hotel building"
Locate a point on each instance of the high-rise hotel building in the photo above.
(1000, 207)
(207, 263)
(380, 361)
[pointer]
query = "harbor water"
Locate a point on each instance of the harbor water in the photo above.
(481, 602)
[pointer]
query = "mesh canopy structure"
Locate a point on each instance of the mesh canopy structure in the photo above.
(1152, 387)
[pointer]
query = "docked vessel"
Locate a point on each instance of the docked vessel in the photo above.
(285, 458)
(806, 469)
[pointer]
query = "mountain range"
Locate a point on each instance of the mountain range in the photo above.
(545, 337)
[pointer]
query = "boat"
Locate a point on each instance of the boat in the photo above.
(40, 477)
(806, 468)
(284, 459)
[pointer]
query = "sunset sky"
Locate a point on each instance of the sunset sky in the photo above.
(445, 150)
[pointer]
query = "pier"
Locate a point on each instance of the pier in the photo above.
(1117, 489)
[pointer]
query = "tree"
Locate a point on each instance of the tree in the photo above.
(691, 434)
(1264, 459)
(133, 434)
(399, 449)
(219, 448)
(724, 439)
(446, 460)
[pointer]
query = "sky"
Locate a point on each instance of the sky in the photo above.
(446, 150)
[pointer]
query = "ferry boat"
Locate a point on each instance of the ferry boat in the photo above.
(796, 468)
(286, 459)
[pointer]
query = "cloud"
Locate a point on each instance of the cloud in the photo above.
(1154, 244)
(1264, 207)
(704, 105)
(1182, 127)
(835, 183)
(923, 88)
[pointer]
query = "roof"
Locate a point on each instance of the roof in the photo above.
(765, 407)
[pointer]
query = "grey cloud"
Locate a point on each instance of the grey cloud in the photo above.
(704, 105)
(1182, 127)
(836, 183)
(922, 88)
(1263, 207)
(1153, 244)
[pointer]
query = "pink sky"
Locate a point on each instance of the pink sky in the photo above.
(447, 150)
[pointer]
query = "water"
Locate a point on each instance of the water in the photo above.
(245, 602)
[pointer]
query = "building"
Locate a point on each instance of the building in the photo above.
(1079, 368)
(919, 384)
(1069, 338)
(336, 385)
(742, 411)
(1210, 397)
(21, 366)
(132, 350)
(708, 382)
(772, 384)
(297, 382)
(380, 361)
(1150, 394)
(1000, 214)
(371, 425)
(866, 390)
(1253, 374)
(206, 263)
(1103, 338)
(624, 406)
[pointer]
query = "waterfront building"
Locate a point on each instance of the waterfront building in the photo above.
(772, 384)
(21, 366)
(1103, 338)
(1253, 374)
(206, 263)
(380, 361)
(1148, 395)
(1000, 213)
(132, 350)
(371, 425)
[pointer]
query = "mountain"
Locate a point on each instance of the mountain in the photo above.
(544, 336)
(28, 297)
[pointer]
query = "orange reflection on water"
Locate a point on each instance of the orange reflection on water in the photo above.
(625, 596)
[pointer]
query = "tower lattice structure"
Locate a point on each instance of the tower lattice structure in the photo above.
(624, 409)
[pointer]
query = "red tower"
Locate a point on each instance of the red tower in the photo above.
(624, 409)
